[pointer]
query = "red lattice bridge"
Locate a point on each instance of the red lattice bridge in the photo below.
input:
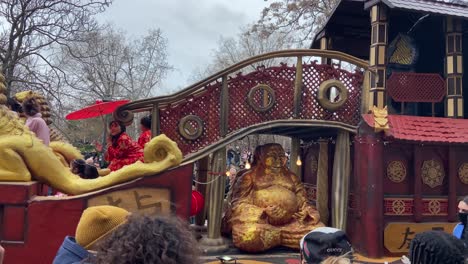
(298, 89)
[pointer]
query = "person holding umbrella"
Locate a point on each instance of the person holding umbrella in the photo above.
(122, 150)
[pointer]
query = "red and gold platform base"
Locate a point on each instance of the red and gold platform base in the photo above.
(32, 227)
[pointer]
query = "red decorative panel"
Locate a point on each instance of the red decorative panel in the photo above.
(206, 106)
(416, 87)
(435, 206)
(398, 206)
(315, 74)
(404, 206)
(280, 79)
(433, 170)
(398, 169)
(42, 223)
(13, 226)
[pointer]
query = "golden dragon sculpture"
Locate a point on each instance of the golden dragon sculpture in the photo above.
(25, 158)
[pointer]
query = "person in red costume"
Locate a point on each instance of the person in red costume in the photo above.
(122, 149)
(145, 126)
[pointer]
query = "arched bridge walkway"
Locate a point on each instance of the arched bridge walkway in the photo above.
(298, 88)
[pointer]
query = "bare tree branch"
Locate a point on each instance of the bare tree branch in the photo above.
(34, 28)
(298, 19)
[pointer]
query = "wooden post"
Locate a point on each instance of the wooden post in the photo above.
(298, 88)
(418, 205)
(452, 182)
(213, 242)
(454, 67)
(224, 113)
(377, 58)
(202, 177)
(155, 126)
(322, 182)
(340, 180)
(325, 45)
(216, 196)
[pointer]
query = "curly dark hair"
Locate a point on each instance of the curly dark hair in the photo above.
(85, 171)
(436, 247)
(146, 121)
(31, 106)
(14, 105)
(147, 240)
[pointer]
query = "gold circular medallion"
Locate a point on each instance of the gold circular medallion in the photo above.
(434, 207)
(396, 171)
(398, 207)
(261, 98)
(332, 95)
(463, 173)
(191, 127)
(432, 173)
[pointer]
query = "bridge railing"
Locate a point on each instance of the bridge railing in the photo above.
(229, 101)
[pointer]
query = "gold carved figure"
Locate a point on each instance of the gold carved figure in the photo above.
(269, 206)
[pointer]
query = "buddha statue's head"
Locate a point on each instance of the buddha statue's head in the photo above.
(272, 156)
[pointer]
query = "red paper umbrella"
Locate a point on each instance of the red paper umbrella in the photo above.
(197, 203)
(99, 109)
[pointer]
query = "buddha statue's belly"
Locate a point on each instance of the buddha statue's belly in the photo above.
(276, 196)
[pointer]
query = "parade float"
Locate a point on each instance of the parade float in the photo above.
(374, 111)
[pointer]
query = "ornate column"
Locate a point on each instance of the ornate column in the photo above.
(368, 160)
(377, 57)
(322, 182)
(340, 181)
(454, 67)
(213, 242)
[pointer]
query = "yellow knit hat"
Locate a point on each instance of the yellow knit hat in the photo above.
(98, 221)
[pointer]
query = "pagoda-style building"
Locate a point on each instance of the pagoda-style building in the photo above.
(410, 164)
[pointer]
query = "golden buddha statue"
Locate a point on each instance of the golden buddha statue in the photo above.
(268, 205)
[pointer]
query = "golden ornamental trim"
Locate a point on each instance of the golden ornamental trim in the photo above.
(380, 119)
(398, 207)
(189, 131)
(463, 173)
(432, 173)
(396, 171)
(324, 90)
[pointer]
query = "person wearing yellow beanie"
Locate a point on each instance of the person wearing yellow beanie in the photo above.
(96, 223)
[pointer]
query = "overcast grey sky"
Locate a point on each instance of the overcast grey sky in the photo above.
(192, 27)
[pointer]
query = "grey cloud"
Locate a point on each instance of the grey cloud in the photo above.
(192, 27)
